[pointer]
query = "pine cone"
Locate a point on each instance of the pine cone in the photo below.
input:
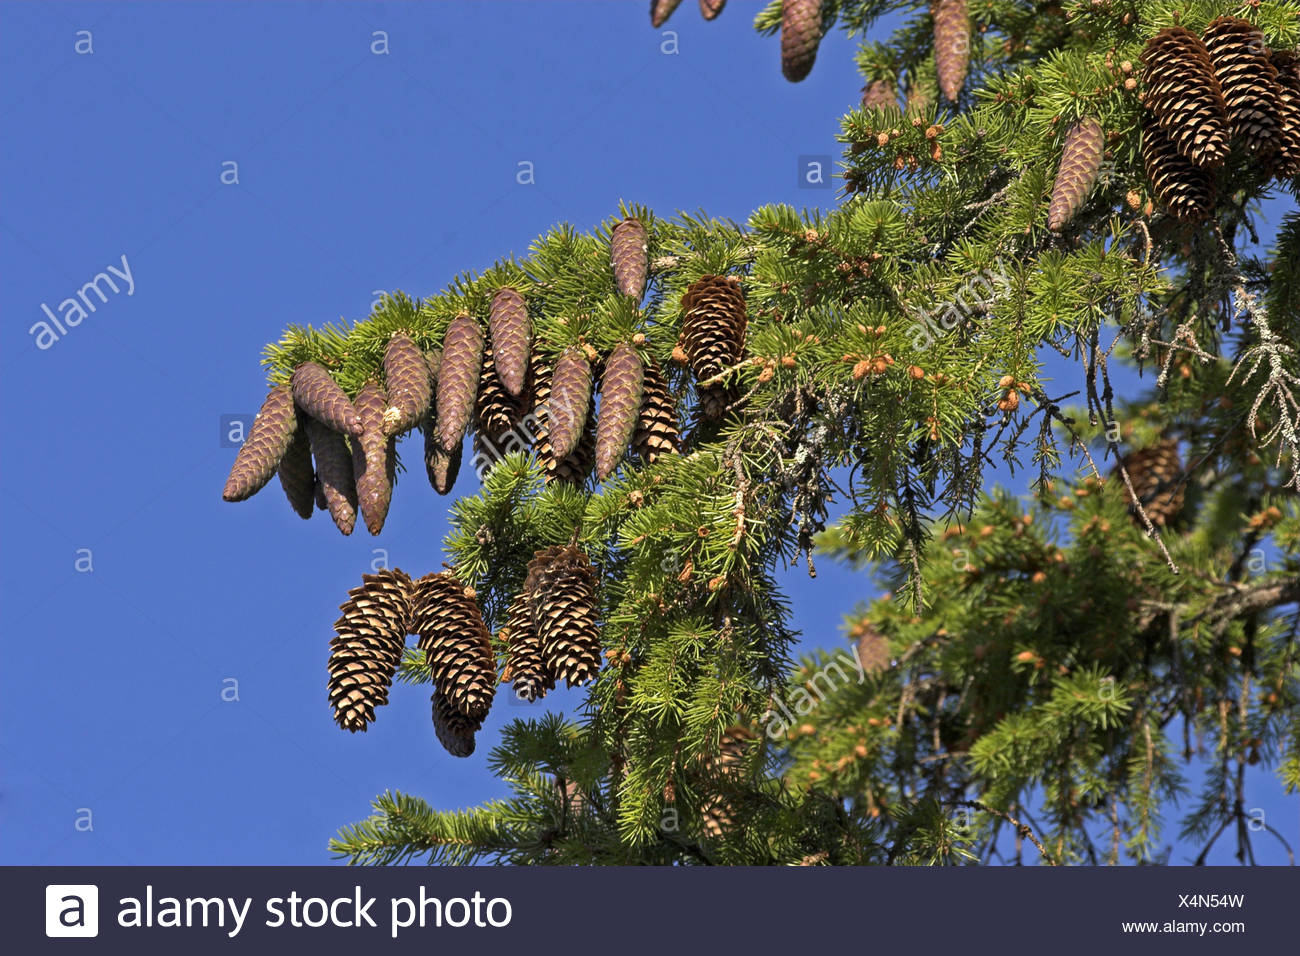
(1287, 160)
(440, 465)
(320, 397)
(627, 252)
(526, 666)
(1184, 96)
(268, 439)
(621, 390)
(297, 476)
(715, 813)
(334, 468)
(657, 433)
(455, 731)
(569, 402)
(462, 359)
(497, 417)
(872, 648)
(574, 468)
(801, 32)
(661, 10)
(318, 489)
(1186, 191)
(879, 95)
(456, 644)
(1159, 481)
(368, 645)
(512, 338)
(1248, 80)
(410, 388)
(951, 45)
(560, 589)
(1080, 163)
(374, 457)
(709, 9)
(713, 324)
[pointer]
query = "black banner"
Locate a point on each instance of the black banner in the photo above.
(196, 910)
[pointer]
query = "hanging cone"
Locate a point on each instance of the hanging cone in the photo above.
(872, 647)
(627, 252)
(709, 9)
(560, 588)
(1248, 80)
(1159, 480)
(318, 489)
(713, 325)
(320, 397)
(440, 465)
(801, 32)
(297, 476)
(268, 439)
(368, 645)
(1184, 190)
(919, 96)
(1184, 96)
(526, 666)
(951, 45)
(455, 731)
(1287, 159)
(497, 417)
(512, 339)
(569, 402)
(410, 390)
(715, 813)
(879, 95)
(462, 359)
(456, 644)
(621, 390)
(334, 468)
(661, 10)
(574, 468)
(1080, 162)
(657, 433)
(374, 457)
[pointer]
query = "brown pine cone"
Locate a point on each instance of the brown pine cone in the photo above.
(1287, 159)
(526, 665)
(951, 45)
(801, 33)
(1159, 480)
(512, 339)
(1248, 80)
(374, 457)
(497, 418)
(456, 644)
(458, 377)
(560, 589)
(320, 397)
(367, 647)
(1184, 190)
(410, 387)
(661, 10)
(709, 9)
(297, 476)
(1080, 163)
(1183, 95)
(627, 252)
(621, 390)
(657, 432)
(268, 440)
(454, 730)
(334, 469)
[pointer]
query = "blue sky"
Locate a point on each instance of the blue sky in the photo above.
(357, 173)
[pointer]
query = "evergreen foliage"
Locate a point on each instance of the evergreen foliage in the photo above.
(1048, 664)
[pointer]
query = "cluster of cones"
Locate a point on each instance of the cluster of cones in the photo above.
(552, 635)
(338, 453)
(1203, 94)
